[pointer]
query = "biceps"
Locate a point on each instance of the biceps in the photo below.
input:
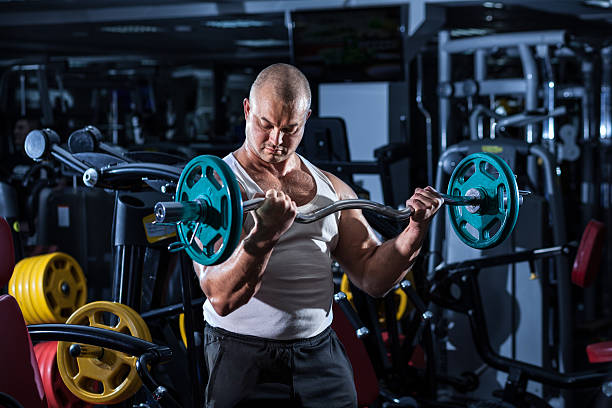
(356, 241)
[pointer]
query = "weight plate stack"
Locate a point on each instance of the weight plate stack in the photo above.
(48, 288)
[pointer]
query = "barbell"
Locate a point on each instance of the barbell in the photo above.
(482, 195)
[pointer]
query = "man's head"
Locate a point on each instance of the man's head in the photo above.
(23, 126)
(276, 111)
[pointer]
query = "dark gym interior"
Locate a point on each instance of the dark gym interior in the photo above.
(140, 263)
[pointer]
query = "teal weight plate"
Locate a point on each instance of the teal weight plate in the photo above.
(498, 213)
(211, 180)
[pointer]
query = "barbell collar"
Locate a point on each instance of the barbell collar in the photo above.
(184, 211)
(87, 351)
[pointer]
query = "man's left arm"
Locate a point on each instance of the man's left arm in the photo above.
(374, 267)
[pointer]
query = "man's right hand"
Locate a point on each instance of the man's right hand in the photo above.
(275, 215)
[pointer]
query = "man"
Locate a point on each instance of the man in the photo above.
(268, 308)
(17, 164)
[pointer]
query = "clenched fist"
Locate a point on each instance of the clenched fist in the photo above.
(425, 202)
(276, 214)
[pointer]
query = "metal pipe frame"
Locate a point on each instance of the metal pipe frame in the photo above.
(605, 124)
(564, 290)
(193, 352)
(530, 70)
(427, 116)
(171, 310)
(465, 275)
(504, 40)
(444, 76)
(127, 273)
(492, 87)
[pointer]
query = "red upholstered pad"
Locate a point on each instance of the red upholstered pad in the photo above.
(7, 253)
(588, 257)
(366, 382)
(600, 352)
(20, 377)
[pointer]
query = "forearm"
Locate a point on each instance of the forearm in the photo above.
(234, 282)
(388, 263)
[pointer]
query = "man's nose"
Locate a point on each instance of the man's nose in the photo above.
(276, 136)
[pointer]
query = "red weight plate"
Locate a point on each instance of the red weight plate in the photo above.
(43, 353)
(600, 352)
(588, 257)
(58, 395)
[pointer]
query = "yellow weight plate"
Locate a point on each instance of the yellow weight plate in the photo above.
(182, 328)
(345, 287)
(48, 287)
(24, 292)
(402, 299)
(14, 284)
(63, 285)
(34, 279)
(142, 331)
(113, 377)
(402, 304)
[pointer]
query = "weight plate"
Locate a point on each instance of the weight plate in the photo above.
(113, 377)
(48, 287)
(211, 180)
(16, 289)
(400, 298)
(588, 255)
(494, 221)
(58, 395)
(182, 328)
(37, 299)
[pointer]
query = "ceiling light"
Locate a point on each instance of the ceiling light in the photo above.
(469, 32)
(599, 3)
(268, 42)
(490, 4)
(236, 23)
(131, 29)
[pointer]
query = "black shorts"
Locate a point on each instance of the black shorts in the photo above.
(251, 371)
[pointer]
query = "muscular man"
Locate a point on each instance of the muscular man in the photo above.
(18, 163)
(268, 308)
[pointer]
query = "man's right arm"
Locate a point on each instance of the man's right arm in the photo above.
(234, 282)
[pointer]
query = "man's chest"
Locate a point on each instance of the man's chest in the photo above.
(299, 185)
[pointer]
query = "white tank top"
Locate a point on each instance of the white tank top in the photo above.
(295, 297)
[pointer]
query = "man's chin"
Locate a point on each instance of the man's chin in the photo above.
(273, 157)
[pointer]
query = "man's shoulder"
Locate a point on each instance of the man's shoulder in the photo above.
(343, 190)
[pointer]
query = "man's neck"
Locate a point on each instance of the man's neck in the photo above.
(251, 161)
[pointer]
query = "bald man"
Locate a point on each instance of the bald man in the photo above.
(268, 309)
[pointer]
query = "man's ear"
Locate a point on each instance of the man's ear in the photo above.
(308, 114)
(247, 108)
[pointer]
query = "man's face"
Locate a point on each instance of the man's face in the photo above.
(20, 131)
(273, 129)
